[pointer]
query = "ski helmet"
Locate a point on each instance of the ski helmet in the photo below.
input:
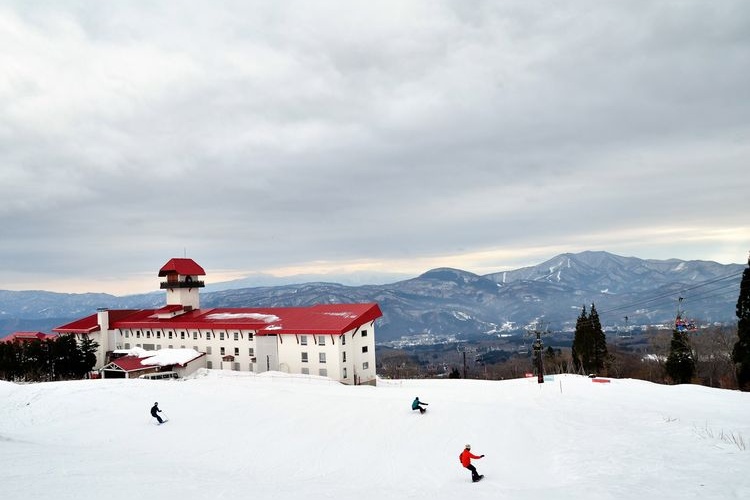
(468, 446)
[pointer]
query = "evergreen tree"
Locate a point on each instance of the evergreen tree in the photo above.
(680, 365)
(589, 348)
(741, 350)
(87, 355)
(579, 350)
(599, 342)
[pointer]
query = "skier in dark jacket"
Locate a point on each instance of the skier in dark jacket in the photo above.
(465, 458)
(154, 410)
(417, 405)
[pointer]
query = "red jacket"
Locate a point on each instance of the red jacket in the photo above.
(466, 457)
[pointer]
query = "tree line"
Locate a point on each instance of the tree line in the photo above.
(59, 358)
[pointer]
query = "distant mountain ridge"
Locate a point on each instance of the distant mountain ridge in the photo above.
(450, 301)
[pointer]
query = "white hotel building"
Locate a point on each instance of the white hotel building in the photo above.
(332, 340)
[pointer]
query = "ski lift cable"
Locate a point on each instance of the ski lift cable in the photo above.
(670, 295)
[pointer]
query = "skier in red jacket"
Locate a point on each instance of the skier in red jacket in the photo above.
(465, 458)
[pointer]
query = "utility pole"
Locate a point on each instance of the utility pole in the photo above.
(538, 346)
(463, 350)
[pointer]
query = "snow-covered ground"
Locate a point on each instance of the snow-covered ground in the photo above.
(240, 436)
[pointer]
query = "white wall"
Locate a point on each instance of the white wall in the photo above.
(281, 352)
(267, 353)
(291, 349)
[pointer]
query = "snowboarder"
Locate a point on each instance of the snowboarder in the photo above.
(465, 458)
(417, 405)
(154, 410)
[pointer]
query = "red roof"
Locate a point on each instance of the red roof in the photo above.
(130, 363)
(182, 267)
(27, 336)
(334, 319)
(331, 319)
(90, 324)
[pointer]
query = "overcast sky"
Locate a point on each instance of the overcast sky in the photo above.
(292, 137)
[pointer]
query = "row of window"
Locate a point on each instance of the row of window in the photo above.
(196, 335)
(222, 350)
(321, 356)
(323, 372)
(321, 340)
(250, 351)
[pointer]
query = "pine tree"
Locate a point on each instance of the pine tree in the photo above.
(741, 350)
(680, 365)
(87, 355)
(589, 348)
(599, 342)
(579, 348)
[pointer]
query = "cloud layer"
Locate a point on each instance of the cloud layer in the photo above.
(287, 137)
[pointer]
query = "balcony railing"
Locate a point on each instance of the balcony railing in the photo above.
(182, 284)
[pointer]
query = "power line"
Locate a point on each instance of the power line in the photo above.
(659, 298)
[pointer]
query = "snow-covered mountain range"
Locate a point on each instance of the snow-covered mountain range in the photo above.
(452, 301)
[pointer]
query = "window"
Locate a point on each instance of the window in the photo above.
(208, 335)
(305, 371)
(195, 335)
(344, 372)
(249, 335)
(209, 365)
(321, 340)
(236, 351)
(364, 349)
(222, 351)
(148, 335)
(170, 346)
(251, 351)
(365, 365)
(158, 335)
(304, 357)
(343, 339)
(137, 334)
(344, 355)
(236, 336)
(322, 357)
(127, 334)
(221, 335)
(364, 333)
(303, 339)
(236, 367)
(208, 349)
(195, 347)
(158, 346)
(182, 335)
(170, 335)
(323, 372)
(127, 345)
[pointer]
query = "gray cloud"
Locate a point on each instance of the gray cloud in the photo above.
(262, 136)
